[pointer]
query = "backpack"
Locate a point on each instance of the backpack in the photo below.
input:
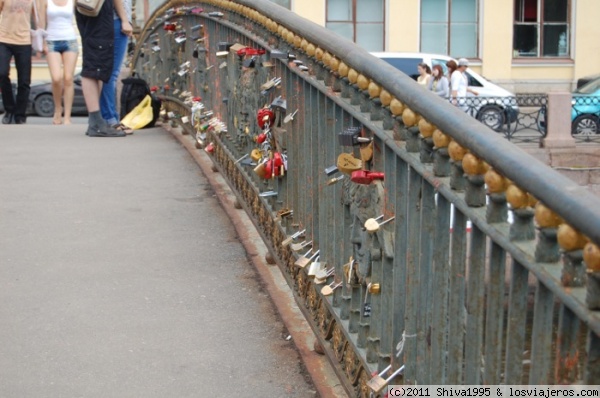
(133, 92)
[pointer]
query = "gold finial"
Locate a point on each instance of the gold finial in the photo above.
(473, 165)
(570, 239)
(374, 90)
(396, 106)
(456, 151)
(409, 118)
(495, 182)
(425, 128)
(363, 82)
(546, 218)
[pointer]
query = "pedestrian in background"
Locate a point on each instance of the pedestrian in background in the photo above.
(122, 31)
(459, 82)
(61, 50)
(15, 41)
(439, 83)
(97, 38)
(424, 74)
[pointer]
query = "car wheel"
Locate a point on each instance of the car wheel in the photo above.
(44, 105)
(585, 125)
(492, 116)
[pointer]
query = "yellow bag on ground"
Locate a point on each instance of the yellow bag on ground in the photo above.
(140, 116)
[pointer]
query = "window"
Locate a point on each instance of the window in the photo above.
(361, 21)
(541, 28)
(283, 3)
(450, 27)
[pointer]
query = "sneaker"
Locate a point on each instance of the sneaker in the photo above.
(104, 131)
(8, 118)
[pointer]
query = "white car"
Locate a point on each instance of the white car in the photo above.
(494, 106)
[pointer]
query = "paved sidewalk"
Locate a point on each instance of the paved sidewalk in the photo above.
(121, 276)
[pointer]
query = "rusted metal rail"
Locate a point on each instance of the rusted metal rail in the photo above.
(443, 249)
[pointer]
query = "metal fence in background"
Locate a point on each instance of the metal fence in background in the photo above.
(420, 244)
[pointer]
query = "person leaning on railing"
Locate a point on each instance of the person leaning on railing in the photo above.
(438, 82)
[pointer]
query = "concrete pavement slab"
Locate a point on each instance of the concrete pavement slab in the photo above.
(121, 276)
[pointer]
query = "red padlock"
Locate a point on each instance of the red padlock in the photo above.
(365, 177)
(153, 89)
(274, 167)
(249, 51)
(197, 99)
(210, 148)
(265, 118)
(261, 138)
(171, 27)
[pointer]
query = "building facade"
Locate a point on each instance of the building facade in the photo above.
(522, 45)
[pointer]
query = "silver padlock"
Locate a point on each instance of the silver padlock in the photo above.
(378, 383)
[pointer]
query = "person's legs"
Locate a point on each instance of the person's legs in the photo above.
(97, 127)
(22, 55)
(8, 98)
(108, 104)
(69, 62)
(54, 65)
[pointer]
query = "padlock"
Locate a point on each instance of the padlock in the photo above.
(347, 163)
(372, 226)
(378, 383)
(289, 239)
(365, 177)
(351, 137)
(329, 289)
(265, 118)
(303, 261)
(169, 26)
(210, 148)
(256, 155)
(260, 138)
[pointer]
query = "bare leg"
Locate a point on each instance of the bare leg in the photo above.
(69, 62)
(91, 93)
(54, 64)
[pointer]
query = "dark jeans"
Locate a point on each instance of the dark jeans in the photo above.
(22, 54)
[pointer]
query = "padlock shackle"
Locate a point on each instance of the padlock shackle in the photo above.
(314, 255)
(396, 373)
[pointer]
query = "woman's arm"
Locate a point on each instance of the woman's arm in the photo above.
(126, 27)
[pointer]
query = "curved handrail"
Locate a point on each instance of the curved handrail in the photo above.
(574, 203)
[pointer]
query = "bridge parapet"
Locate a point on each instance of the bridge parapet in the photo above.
(436, 246)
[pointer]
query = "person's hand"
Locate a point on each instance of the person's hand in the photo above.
(126, 28)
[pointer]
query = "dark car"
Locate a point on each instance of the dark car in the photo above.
(42, 104)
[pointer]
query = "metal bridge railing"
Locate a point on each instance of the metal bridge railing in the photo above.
(412, 235)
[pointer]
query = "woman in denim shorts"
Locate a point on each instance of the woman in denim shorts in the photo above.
(61, 49)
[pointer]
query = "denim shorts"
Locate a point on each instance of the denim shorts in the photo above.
(61, 46)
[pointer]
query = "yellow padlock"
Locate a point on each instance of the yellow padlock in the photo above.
(255, 155)
(347, 163)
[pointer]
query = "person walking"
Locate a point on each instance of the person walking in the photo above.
(61, 50)
(424, 74)
(97, 37)
(438, 82)
(122, 32)
(459, 83)
(15, 41)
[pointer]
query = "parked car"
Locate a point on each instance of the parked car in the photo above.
(494, 106)
(585, 112)
(41, 102)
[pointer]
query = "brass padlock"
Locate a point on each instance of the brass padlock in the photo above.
(347, 163)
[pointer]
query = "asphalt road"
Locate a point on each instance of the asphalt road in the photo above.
(121, 276)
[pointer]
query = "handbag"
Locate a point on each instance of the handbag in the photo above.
(37, 35)
(90, 8)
